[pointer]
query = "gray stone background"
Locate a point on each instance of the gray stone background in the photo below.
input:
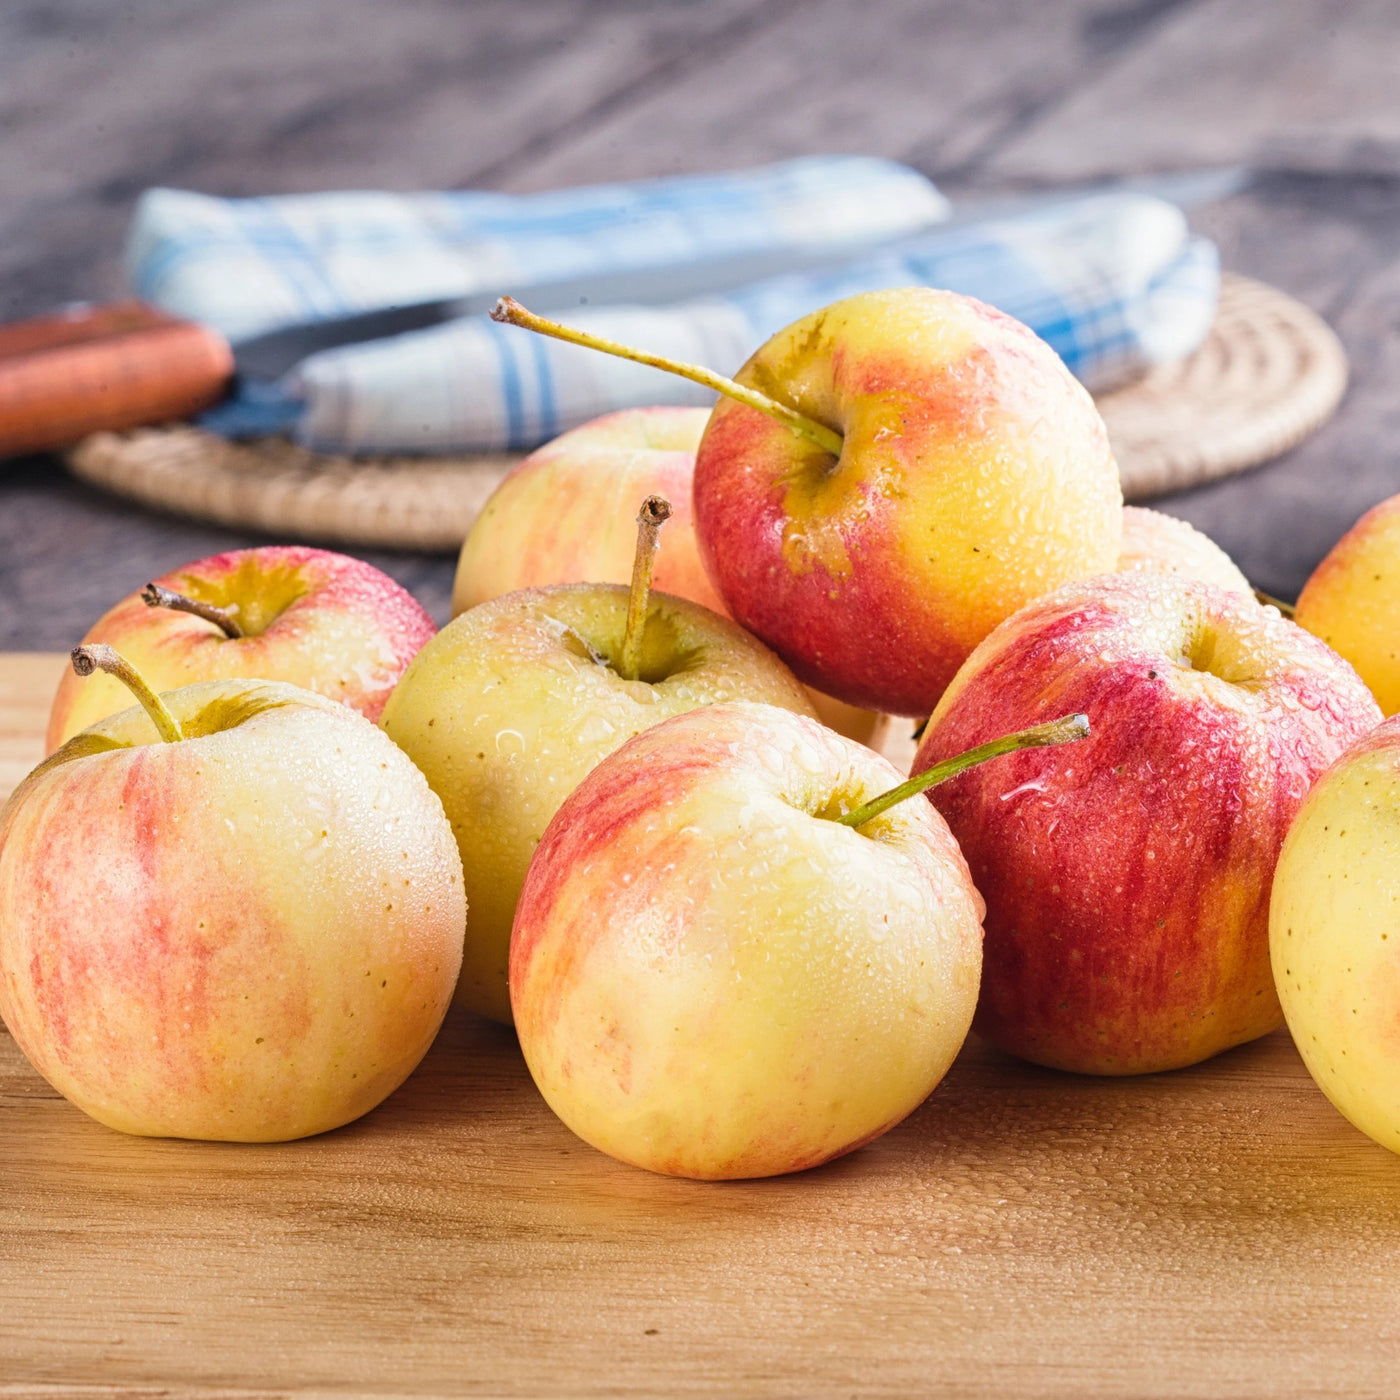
(101, 98)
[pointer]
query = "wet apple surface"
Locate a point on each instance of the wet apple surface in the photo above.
(974, 475)
(1334, 935)
(713, 977)
(1127, 888)
(1155, 543)
(1352, 600)
(244, 927)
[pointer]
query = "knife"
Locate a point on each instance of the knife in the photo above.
(127, 364)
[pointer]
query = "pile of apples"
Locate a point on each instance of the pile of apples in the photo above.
(602, 803)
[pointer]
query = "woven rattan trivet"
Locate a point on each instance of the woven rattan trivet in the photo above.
(1269, 374)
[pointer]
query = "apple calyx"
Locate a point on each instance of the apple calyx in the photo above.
(1065, 730)
(509, 312)
(654, 513)
(98, 656)
(154, 596)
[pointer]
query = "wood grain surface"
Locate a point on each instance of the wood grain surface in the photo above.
(27, 685)
(1218, 1232)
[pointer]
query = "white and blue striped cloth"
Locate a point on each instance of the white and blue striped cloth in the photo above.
(1114, 282)
(244, 266)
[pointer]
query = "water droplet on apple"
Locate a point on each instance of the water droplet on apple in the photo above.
(595, 729)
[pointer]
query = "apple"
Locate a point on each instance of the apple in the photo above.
(309, 617)
(887, 480)
(1352, 600)
(233, 914)
(513, 703)
(555, 519)
(736, 954)
(974, 475)
(1154, 543)
(563, 514)
(1335, 938)
(711, 978)
(1127, 888)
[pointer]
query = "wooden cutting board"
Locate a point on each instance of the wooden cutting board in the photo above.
(1216, 1232)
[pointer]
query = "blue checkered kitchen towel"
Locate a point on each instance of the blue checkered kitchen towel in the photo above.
(1115, 282)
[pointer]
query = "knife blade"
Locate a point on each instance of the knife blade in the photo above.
(272, 354)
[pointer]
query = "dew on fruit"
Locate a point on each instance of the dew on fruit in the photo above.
(595, 729)
(1033, 785)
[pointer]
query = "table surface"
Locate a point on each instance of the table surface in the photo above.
(1216, 1232)
(99, 101)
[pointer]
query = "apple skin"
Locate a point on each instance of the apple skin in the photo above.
(249, 935)
(315, 619)
(711, 980)
(1352, 601)
(1154, 543)
(1127, 882)
(1335, 938)
(511, 705)
(567, 513)
(976, 476)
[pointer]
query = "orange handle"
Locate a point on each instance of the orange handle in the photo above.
(104, 367)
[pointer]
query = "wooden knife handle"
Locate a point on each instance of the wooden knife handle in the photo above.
(104, 367)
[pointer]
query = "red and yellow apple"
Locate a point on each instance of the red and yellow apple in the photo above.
(1127, 886)
(248, 932)
(310, 617)
(1352, 601)
(563, 516)
(510, 706)
(1154, 543)
(1335, 937)
(973, 475)
(712, 977)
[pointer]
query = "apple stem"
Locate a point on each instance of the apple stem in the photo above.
(508, 311)
(98, 656)
(1064, 730)
(154, 596)
(1269, 601)
(655, 511)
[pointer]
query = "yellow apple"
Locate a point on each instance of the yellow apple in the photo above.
(713, 977)
(970, 473)
(246, 930)
(1352, 601)
(511, 705)
(1154, 543)
(1334, 933)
